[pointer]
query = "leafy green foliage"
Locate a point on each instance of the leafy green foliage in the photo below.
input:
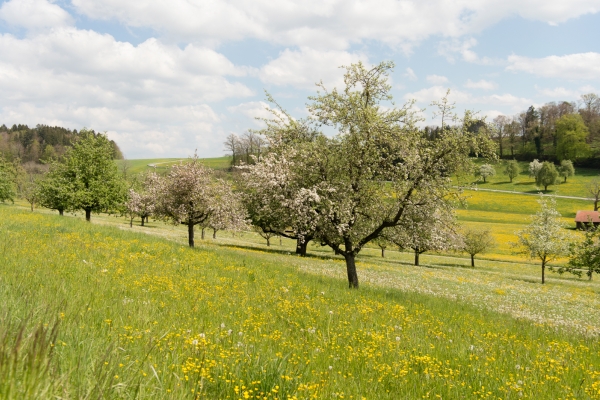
(512, 169)
(566, 169)
(485, 171)
(477, 242)
(571, 134)
(585, 255)
(547, 175)
(545, 238)
(89, 171)
(7, 181)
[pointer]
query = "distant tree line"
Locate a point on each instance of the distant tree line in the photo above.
(555, 132)
(39, 144)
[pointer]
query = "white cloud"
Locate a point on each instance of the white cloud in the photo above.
(467, 100)
(410, 74)
(149, 96)
(573, 66)
(463, 47)
(436, 79)
(435, 93)
(34, 15)
(251, 111)
(331, 24)
(482, 84)
(304, 67)
(564, 94)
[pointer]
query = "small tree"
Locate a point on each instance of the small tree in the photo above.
(189, 195)
(486, 170)
(476, 242)
(544, 239)
(566, 169)
(426, 229)
(382, 243)
(594, 189)
(7, 181)
(55, 189)
(547, 175)
(534, 169)
(585, 255)
(93, 175)
(512, 169)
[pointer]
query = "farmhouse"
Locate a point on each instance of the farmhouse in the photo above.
(584, 219)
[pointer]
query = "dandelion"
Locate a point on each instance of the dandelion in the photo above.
(195, 342)
(222, 325)
(397, 338)
(202, 335)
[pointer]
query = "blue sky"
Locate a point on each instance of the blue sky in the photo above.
(164, 78)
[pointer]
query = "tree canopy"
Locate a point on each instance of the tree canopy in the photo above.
(362, 181)
(89, 171)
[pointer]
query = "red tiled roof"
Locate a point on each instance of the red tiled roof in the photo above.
(587, 216)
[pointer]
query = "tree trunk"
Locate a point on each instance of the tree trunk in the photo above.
(88, 215)
(590, 277)
(32, 206)
(543, 271)
(191, 234)
(351, 270)
(545, 188)
(268, 241)
(131, 222)
(472, 261)
(301, 247)
(61, 212)
(280, 241)
(382, 252)
(417, 257)
(147, 218)
(143, 219)
(596, 204)
(202, 234)
(214, 233)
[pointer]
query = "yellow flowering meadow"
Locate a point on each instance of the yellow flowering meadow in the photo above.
(91, 311)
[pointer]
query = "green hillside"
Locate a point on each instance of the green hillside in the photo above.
(105, 311)
(163, 164)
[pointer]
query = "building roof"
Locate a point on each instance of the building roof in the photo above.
(587, 216)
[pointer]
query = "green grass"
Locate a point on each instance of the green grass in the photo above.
(163, 164)
(575, 185)
(105, 311)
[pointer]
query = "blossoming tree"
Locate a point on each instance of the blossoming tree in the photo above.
(190, 195)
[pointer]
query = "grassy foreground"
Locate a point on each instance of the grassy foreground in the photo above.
(90, 311)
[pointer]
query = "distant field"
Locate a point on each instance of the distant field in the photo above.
(575, 185)
(163, 164)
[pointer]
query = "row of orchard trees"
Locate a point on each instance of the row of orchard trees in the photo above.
(87, 178)
(545, 173)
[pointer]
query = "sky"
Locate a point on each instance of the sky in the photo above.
(164, 78)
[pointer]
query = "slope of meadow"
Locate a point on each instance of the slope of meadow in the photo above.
(91, 311)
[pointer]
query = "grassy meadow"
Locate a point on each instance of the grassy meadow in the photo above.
(103, 310)
(575, 185)
(163, 164)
